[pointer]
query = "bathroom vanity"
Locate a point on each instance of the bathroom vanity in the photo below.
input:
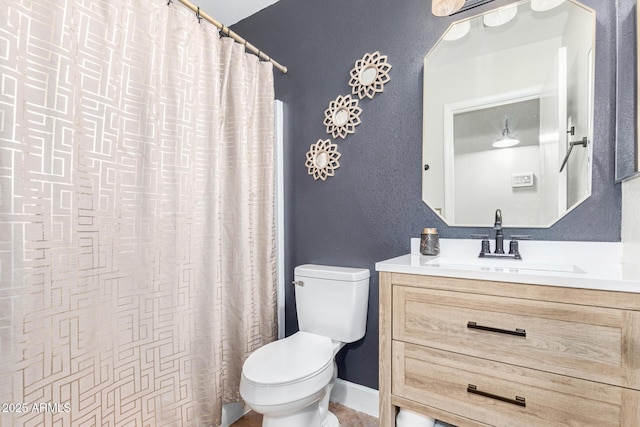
(502, 344)
(552, 339)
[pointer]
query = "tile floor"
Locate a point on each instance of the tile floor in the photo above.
(347, 416)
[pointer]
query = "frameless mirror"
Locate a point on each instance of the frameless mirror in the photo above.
(508, 107)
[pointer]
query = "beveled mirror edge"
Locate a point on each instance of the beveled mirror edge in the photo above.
(592, 62)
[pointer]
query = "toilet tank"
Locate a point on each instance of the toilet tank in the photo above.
(332, 301)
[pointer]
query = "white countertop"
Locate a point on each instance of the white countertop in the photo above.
(586, 265)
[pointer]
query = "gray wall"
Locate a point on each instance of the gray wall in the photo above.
(626, 154)
(372, 207)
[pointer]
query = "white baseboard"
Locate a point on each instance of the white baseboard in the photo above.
(356, 396)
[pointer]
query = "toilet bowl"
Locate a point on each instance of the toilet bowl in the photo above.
(289, 381)
(286, 380)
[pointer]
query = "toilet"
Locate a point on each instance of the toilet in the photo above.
(289, 381)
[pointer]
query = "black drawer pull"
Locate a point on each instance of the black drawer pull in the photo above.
(517, 332)
(519, 401)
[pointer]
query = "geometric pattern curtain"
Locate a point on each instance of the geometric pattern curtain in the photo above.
(137, 254)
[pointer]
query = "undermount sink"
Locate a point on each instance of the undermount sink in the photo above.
(511, 265)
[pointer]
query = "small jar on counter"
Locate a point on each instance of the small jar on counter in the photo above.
(429, 242)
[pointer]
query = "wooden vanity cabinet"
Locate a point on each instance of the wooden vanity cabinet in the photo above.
(480, 353)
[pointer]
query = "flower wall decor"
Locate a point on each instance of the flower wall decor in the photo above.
(369, 75)
(322, 159)
(342, 116)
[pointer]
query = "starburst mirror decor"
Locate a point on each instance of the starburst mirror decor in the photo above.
(369, 75)
(322, 159)
(342, 116)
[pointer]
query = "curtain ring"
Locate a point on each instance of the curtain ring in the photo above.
(222, 30)
(198, 15)
(169, 2)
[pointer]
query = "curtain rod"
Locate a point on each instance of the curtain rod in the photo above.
(230, 33)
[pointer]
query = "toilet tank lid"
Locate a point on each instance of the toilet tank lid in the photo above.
(347, 274)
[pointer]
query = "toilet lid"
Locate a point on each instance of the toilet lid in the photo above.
(290, 359)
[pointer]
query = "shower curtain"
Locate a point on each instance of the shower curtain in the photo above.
(137, 254)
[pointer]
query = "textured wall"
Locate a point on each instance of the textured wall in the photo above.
(372, 207)
(626, 82)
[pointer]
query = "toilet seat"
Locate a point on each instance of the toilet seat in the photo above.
(289, 360)
(291, 369)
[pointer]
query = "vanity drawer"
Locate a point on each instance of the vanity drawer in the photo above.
(594, 343)
(499, 394)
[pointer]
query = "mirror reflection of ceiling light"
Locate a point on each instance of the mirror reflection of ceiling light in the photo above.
(500, 16)
(457, 31)
(506, 140)
(445, 7)
(544, 5)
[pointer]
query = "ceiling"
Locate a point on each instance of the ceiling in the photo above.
(228, 12)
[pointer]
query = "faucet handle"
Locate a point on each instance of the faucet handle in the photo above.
(480, 236)
(484, 249)
(514, 248)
